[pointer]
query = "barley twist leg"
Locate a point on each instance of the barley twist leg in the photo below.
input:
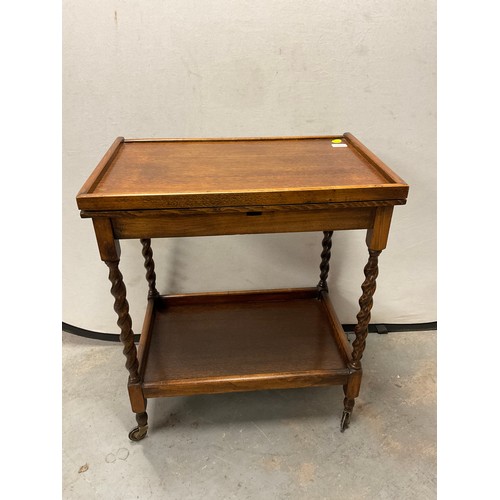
(149, 264)
(351, 389)
(124, 321)
(365, 304)
(325, 261)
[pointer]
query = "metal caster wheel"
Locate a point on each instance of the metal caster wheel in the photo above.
(344, 422)
(138, 433)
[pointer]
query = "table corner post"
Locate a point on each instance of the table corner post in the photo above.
(376, 241)
(109, 249)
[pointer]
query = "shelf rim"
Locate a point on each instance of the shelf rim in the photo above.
(250, 381)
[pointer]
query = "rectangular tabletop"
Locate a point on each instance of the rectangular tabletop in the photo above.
(170, 173)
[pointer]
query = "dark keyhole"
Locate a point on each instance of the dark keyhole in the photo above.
(254, 213)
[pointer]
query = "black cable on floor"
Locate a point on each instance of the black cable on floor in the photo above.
(380, 328)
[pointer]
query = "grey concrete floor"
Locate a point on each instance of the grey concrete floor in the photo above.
(255, 445)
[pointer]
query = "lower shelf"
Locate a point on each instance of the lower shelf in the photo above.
(241, 341)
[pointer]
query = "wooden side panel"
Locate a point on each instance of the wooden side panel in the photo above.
(237, 296)
(242, 384)
(160, 201)
(338, 331)
(142, 352)
(245, 223)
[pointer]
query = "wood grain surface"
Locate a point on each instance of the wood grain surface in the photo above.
(206, 173)
(248, 341)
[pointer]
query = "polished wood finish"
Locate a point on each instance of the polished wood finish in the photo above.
(365, 304)
(109, 247)
(149, 264)
(248, 295)
(339, 334)
(377, 236)
(325, 261)
(351, 389)
(94, 178)
(240, 340)
(86, 214)
(145, 336)
(252, 222)
(191, 173)
(203, 344)
(124, 321)
(375, 161)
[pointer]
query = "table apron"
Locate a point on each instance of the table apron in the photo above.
(164, 226)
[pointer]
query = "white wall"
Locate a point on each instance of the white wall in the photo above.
(253, 68)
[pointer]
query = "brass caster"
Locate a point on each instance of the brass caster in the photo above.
(138, 433)
(344, 422)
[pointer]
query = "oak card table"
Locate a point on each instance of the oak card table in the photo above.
(205, 343)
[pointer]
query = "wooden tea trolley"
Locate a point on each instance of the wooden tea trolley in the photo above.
(240, 340)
